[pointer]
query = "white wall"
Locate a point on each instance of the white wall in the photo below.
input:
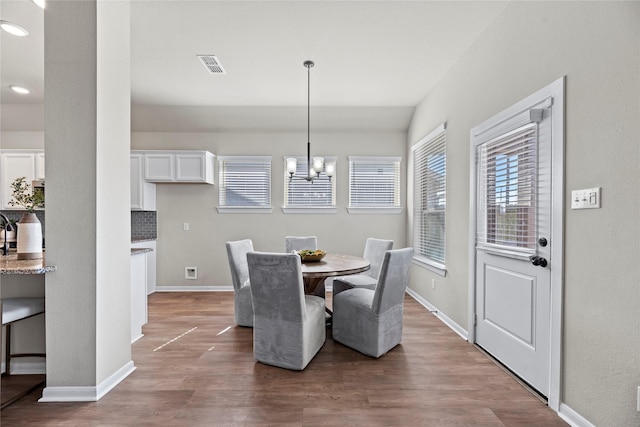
(203, 246)
(595, 44)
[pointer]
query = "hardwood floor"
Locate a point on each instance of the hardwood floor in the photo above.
(195, 368)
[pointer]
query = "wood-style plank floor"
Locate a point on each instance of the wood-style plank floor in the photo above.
(195, 368)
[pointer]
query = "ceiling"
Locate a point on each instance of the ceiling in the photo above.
(366, 53)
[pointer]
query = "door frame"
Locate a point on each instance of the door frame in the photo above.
(554, 90)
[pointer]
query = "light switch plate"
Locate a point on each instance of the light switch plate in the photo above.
(588, 198)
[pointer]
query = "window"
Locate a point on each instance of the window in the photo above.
(374, 184)
(507, 168)
(302, 196)
(430, 199)
(245, 184)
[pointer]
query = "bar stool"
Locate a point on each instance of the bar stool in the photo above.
(13, 310)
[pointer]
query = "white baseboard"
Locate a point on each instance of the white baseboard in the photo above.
(194, 288)
(572, 417)
(26, 367)
(443, 317)
(87, 393)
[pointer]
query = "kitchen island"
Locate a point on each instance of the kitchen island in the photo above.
(24, 278)
(10, 264)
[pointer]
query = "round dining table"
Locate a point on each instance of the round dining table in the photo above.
(331, 265)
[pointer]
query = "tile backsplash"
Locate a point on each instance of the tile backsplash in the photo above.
(143, 223)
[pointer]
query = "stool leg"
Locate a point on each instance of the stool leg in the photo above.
(7, 350)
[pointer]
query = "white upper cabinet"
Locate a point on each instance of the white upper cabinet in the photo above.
(39, 165)
(159, 167)
(179, 166)
(19, 163)
(143, 193)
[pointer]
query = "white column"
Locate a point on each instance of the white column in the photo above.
(87, 144)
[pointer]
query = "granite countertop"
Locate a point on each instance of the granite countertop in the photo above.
(135, 251)
(138, 240)
(9, 264)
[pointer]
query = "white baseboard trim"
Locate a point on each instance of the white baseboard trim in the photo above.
(573, 418)
(87, 393)
(194, 288)
(443, 317)
(25, 367)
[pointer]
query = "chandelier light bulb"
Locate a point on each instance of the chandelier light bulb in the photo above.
(292, 164)
(318, 164)
(330, 169)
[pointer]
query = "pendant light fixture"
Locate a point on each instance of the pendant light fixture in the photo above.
(315, 168)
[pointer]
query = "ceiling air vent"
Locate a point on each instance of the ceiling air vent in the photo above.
(212, 64)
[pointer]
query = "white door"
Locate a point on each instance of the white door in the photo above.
(513, 259)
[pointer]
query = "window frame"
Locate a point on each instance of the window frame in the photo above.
(394, 161)
(425, 144)
(298, 209)
(225, 209)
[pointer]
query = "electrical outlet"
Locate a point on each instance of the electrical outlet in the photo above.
(191, 273)
(185, 226)
(433, 284)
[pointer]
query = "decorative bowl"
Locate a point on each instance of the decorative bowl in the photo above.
(310, 255)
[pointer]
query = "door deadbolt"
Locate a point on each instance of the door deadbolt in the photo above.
(542, 242)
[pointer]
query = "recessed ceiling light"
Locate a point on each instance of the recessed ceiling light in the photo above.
(14, 29)
(40, 3)
(19, 89)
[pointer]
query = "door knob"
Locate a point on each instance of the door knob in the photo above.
(538, 261)
(542, 242)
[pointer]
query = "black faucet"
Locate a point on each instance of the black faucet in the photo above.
(7, 227)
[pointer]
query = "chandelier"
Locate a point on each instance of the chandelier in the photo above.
(314, 168)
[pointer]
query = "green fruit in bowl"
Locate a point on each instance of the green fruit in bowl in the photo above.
(310, 252)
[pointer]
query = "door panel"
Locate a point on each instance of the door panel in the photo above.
(517, 319)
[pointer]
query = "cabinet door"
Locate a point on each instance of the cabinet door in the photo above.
(159, 167)
(15, 165)
(194, 167)
(190, 167)
(138, 295)
(39, 166)
(143, 194)
(136, 181)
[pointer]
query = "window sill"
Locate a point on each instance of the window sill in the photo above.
(309, 209)
(245, 209)
(437, 268)
(372, 210)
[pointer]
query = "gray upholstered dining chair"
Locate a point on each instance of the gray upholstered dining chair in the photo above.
(243, 306)
(288, 326)
(370, 321)
(374, 250)
(297, 243)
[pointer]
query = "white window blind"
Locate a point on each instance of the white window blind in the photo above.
(321, 192)
(374, 182)
(245, 181)
(507, 188)
(429, 204)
